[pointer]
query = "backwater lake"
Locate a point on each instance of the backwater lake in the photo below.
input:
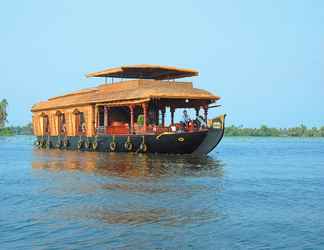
(249, 193)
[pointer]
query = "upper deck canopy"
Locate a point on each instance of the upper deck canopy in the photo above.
(129, 92)
(145, 71)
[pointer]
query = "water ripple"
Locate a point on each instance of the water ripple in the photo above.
(254, 193)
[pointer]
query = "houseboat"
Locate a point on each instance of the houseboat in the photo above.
(129, 115)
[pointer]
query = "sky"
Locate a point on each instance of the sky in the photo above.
(264, 58)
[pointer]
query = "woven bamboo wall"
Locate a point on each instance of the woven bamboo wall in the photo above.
(70, 121)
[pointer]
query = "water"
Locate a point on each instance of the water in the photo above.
(250, 193)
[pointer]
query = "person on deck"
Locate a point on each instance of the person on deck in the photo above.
(185, 119)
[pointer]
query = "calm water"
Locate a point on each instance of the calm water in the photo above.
(250, 193)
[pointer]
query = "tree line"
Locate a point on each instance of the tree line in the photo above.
(3, 113)
(12, 130)
(300, 131)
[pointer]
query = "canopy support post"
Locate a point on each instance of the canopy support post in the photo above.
(131, 109)
(206, 113)
(172, 110)
(163, 116)
(105, 117)
(95, 119)
(145, 107)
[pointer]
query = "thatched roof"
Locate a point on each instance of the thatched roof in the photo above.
(131, 91)
(145, 71)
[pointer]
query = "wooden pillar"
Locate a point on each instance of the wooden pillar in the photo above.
(59, 126)
(93, 120)
(131, 109)
(172, 110)
(163, 116)
(206, 113)
(156, 118)
(105, 116)
(96, 117)
(145, 107)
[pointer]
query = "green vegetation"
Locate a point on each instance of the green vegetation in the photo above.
(140, 120)
(301, 131)
(3, 113)
(17, 130)
(6, 132)
(22, 130)
(3, 119)
(13, 130)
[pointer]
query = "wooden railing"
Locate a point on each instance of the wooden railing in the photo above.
(121, 129)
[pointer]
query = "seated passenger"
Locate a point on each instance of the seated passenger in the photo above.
(185, 119)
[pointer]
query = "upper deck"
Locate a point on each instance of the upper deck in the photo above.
(145, 71)
(147, 82)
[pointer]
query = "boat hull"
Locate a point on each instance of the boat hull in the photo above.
(199, 142)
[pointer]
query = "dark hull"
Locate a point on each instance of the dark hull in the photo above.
(200, 142)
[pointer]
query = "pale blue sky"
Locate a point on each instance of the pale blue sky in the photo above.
(265, 58)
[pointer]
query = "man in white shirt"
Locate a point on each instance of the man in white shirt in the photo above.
(185, 118)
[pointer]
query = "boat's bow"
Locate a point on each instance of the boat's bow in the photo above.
(215, 133)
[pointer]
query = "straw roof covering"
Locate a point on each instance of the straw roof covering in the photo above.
(145, 71)
(127, 92)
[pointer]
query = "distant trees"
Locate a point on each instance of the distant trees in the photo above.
(300, 131)
(3, 113)
(22, 130)
(6, 131)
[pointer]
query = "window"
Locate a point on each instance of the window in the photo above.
(61, 123)
(46, 124)
(80, 122)
(101, 117)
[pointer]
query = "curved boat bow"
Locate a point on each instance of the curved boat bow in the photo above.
(213, 137)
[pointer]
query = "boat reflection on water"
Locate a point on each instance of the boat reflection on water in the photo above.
(130, 189)
(127, 165)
